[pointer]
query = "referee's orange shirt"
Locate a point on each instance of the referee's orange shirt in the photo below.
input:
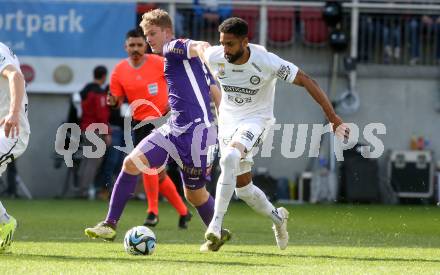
(146, 82)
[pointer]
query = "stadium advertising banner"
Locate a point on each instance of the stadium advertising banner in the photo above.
(59, 43)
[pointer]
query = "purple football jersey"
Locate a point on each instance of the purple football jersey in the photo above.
(188, 82)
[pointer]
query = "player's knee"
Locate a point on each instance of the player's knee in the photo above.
(244, 179)
(189, 198)
(130, 167)
(230, 158)
(196, 197)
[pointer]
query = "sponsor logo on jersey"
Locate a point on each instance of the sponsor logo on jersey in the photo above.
(237, 71)
(193, 172)
(239, 100)
(221, 69)
(247, 135)
(283, 72)
(256, 67)
(176, 51)
(234, 89)
(255, 80)
(226, 140)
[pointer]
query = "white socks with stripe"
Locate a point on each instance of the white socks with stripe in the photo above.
(258, 201)
(229, 164)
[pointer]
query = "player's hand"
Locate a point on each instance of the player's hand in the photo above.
(111, 100)
(340, 128)
(10, 123)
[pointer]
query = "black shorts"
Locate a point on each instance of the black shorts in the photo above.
(142, 132)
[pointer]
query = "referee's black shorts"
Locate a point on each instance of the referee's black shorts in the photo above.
(142, 132)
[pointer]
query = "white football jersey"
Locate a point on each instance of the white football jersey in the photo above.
(7, 57)
(248, 90)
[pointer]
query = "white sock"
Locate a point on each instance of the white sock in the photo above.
(3, 215)
(258, 201)
(229, 164)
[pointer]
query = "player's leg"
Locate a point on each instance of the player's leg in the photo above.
(199, 197)
(9, 150)
(122, 191)
(229, 164)
(147, 154)
(257, 200)
(168, 189)
(243, 139)
(150, 180)
(160, 183)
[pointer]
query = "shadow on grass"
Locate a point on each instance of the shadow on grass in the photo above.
(332, 257)
(138, 259)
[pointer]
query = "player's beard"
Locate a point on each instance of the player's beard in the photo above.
(231, 58)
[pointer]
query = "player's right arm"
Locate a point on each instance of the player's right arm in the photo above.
(198, 48)
(185, 49)
(16, 90)
(312, 87)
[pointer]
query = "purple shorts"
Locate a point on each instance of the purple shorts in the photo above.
(193, 151)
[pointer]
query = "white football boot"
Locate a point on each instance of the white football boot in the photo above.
(280, 231)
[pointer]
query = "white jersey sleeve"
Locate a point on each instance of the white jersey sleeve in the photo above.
(281, 68)
(6, 57)
(209, 53)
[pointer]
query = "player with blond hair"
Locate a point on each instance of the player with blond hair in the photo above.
(189, 136)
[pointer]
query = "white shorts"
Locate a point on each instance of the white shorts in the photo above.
(250, 133)
(11, 148)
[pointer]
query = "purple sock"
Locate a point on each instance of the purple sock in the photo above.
(122, 192)
(206, 210)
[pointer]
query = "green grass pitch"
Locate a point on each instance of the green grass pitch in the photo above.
(324, 239)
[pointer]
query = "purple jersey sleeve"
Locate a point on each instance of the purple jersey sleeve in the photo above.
(211, 78)
(177, 49)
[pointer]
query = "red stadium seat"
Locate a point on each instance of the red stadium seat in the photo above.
(281, 25)
(313, 28)
(142, 8)
(251, 14)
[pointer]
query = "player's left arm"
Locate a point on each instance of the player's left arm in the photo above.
(16, 90)
(312, 87)
(216, 95)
